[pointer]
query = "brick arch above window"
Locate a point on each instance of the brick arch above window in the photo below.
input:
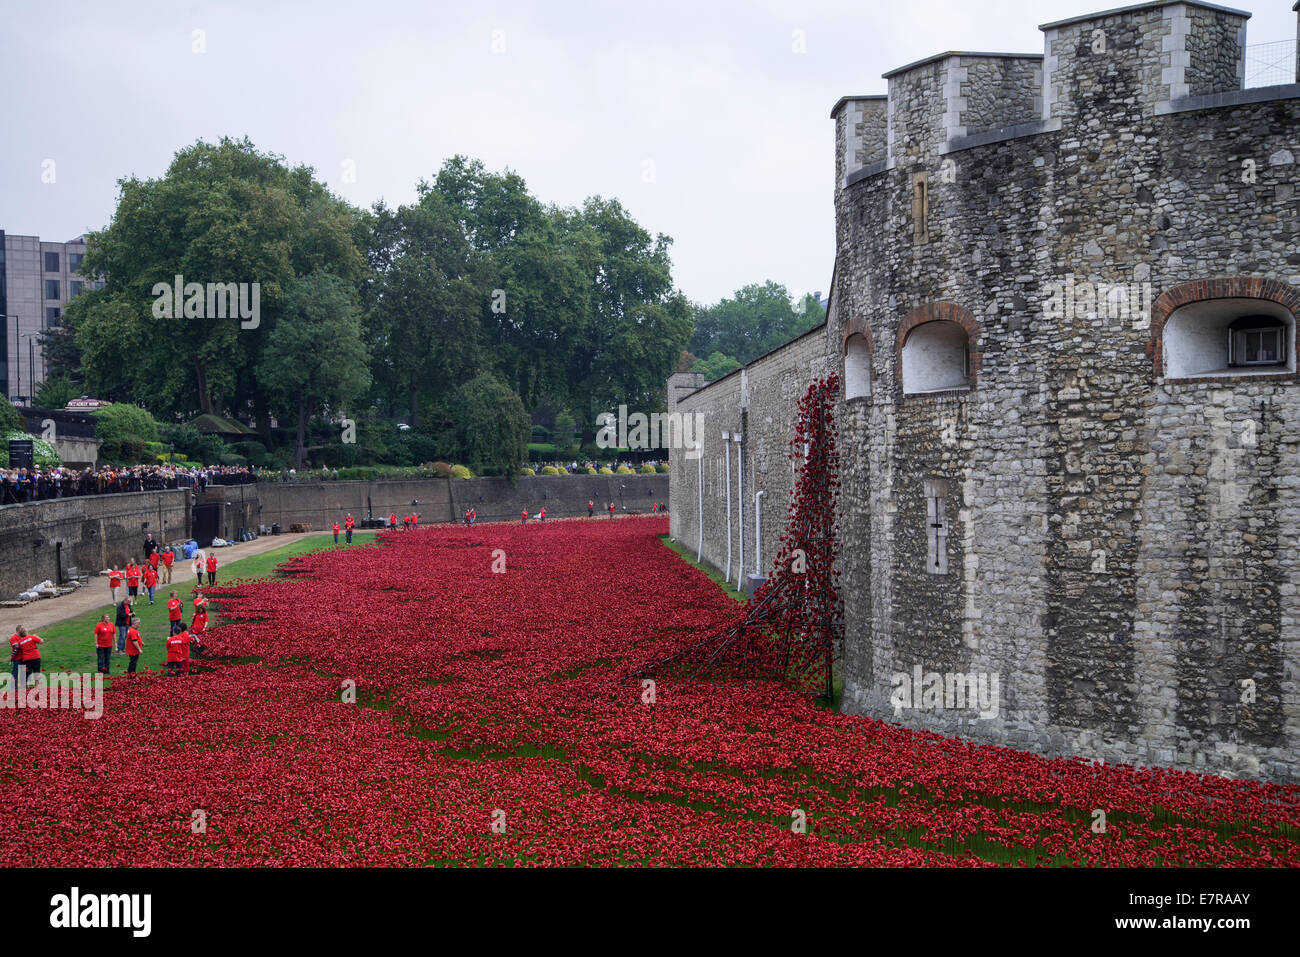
(1202, 290)
(941, 312)
(857, 327)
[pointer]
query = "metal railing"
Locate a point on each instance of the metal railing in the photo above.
(1270, 64)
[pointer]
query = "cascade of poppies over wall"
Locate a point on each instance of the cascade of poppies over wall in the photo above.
(793, 627)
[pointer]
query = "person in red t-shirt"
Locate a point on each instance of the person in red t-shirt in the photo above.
(212, 570)
(176, 652)
(199, 627)
(154, 558)
(542, 514)
(132, 579)
(114, 582)
(25, 653)
(200, 603)
(523, 517)
(104, 635)
(134, 645)
(591, 508)
(611, 509)
(473, 516)
(150, 581)
(466, 516)
(335, 528)
(174, 614)
(392, 522)
(348, 524)
(168, 556)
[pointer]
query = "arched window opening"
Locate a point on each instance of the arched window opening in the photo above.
(1229, 337)
(936, 358)
(857, 367)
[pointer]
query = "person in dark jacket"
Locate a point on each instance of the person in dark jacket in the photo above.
(123, 622)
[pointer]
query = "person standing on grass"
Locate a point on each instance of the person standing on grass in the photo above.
(199, 626)
(168, 556)
(132, 579)
(392, 522)
(198, 567)
(212, 569)
(176, 644)
(24, 652)
(348, 524)
(150, 581)
(134, 645)
(104, 633)
(114, 582)
(200, 604)
(174, 614)
(124, 616)
(335, 528)
(153, 558)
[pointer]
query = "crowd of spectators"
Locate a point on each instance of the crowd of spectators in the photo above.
(21, 485)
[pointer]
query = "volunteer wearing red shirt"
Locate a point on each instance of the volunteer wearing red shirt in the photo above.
(150, 582)
(348, 523)
(168, 556)
(134, 645)
(153, 560)
(212, 569)
(591, 508)
(176, 645)
(199, 628)
(543, 514)
(336, 532)
(25, 652)
(114, 582)
(200, 603)
(392, 522)
(104, 635)
(523, 517)
(174, 614)
(132, 579)
(611, 509)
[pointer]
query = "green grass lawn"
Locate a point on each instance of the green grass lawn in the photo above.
(70, 644)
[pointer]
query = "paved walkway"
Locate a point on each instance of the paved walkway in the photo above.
(94, 594)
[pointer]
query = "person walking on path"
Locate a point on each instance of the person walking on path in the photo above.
(198, 567)
(212, 569)
(104, 633)
(168, 556)
(24, 652)
(348, 524)
(153, 558)
(124, 616)
(132, 579)
(591, 508)
(134, 645)
(150, 581)
(114, 582)
(542, 513)
(174, 614)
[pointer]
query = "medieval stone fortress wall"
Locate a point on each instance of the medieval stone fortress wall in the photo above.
(1064, 308)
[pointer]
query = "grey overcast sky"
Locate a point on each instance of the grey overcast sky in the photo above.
(580, 98)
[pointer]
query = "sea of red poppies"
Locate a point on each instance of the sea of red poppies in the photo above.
(404, 703)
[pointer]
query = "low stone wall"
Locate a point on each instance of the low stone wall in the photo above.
(89, 532)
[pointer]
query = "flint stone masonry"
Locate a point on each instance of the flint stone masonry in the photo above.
(1121, 547)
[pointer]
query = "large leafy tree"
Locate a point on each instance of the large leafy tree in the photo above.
(314, 359)
(223, 213)
(492, 426)
(756, 320)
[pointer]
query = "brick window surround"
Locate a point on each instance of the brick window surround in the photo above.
(939, 312)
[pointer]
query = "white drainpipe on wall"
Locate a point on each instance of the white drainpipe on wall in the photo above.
(758, 534)
(726, 450)
(740, 505)
(699, 551)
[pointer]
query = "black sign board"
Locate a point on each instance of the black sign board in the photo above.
(21, 454)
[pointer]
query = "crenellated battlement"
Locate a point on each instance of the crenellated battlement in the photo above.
(1125, 64)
